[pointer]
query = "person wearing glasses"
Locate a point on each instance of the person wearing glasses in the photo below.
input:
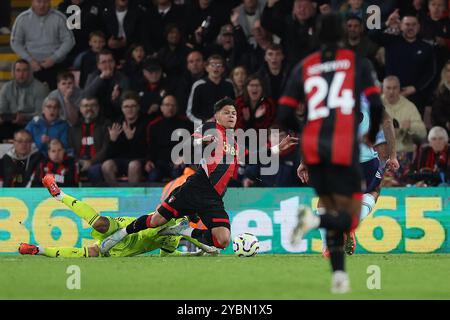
(205, 92)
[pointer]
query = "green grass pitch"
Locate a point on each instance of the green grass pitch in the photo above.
(403, 276)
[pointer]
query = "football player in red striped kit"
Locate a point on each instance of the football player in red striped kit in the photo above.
(202, 192)
(330, 82)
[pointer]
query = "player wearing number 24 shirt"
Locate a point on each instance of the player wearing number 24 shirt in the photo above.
(329, 82)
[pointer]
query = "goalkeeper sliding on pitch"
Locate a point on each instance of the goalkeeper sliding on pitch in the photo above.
(138, 243)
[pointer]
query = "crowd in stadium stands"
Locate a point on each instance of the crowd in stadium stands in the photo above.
(99, 104)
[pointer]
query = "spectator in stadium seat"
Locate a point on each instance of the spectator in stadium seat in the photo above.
(432, 163)
(440, 110)
(160, 14)
(173, 54)
(435, 29)
(106, 83)
(206, 92)
(225, 47)
(409, 58)
(409, 127)
(48, 126)
(355, 8)
(248, 13)
(127, 147)
(195, 64)
(20, 99)
(159, 164)
(88, 59)
(205, 19)
(40, 36)
(295, 29)
(274, 72)
(123, 25)
(254, 109)
(238, 77)
(58, 163)
(90, 14)
(357, 41)
(252, 55)
(68, 95)
(152, 88)
(89, 139)
(134, 64)
(20, 161)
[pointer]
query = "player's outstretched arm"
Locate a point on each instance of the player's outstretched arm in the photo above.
(59, 252)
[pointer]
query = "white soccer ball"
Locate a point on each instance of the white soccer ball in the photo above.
(245, 245)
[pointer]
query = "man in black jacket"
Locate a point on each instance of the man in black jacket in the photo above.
(296, 30)
(127, 148)
(19, 163)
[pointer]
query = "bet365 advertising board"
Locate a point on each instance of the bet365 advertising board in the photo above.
(405, 220)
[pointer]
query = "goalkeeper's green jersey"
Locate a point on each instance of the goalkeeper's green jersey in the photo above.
(138, 243)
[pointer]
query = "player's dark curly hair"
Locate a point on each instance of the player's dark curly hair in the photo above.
(227, 101)
(330, 29)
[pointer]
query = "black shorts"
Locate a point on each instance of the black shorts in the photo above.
(194, 197)
(333, 179)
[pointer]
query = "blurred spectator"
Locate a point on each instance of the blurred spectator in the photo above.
(20, 161)
(247, 14)
(122, 23)
(68, 95)
(286, 175)
(58, 163)
(195, 71)
(238, 76)
(134, 65)
(159, 163)
(225, 47)
(295, 29)
(5, 17)
(357, 41)
(252, 55)
(173, 55)
(160, 14)
(410, 130)
(440, 112)
(20, 99)
(274, 72)
(89, 139)
(90, 13)
(48, 126)
(127, 149)
(152, 88)
(205, 92)
(106, 83)
(435, 29)
(254, 108)
(45, 46)
(432, 163)
(417, 8)
(410, 59)
(409, 127)
(205, 19)
(355, 8)
(88, 59)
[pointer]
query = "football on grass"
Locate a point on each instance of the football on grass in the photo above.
(245, 245)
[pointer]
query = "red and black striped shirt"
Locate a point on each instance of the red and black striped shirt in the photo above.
(329, 83)
(220, 163)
